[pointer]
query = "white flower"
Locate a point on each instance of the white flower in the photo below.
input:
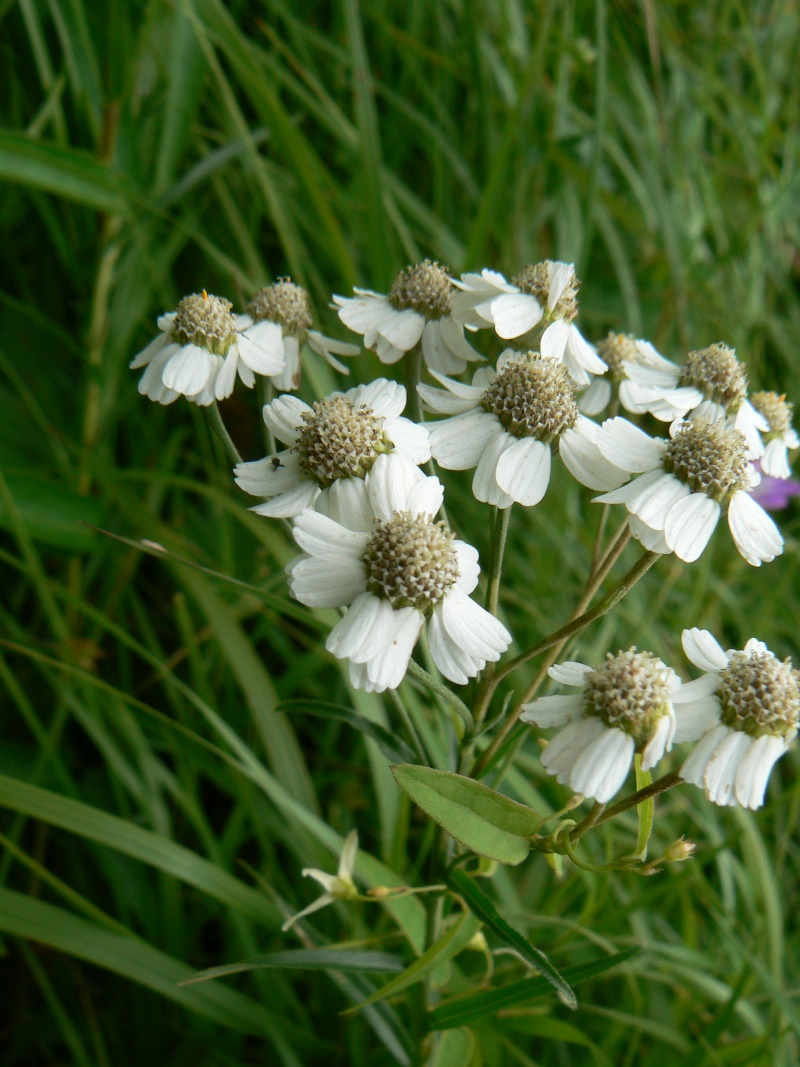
(199, 351)
(339, 886)
(507, 425)
(628, 357)
(395, 567)
(535, 311)
(746, 714)
(779, 436)
(278, 318)
(684, 485)
(333, 443)
(416, 310)
(625, 706)
(711, 383)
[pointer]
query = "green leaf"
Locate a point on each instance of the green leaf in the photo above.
(465, 1010)
(53, 514)
(484, 821)
(23, 916)
(393, 747)
(66, 172)
(485, 910)
(306, 959)
(454, 941)
(455, 1049)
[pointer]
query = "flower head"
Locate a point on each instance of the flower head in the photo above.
(684, 485)
(415, 311)
(625, 706)
(339, 886)
(279, 318)
(337, 439)
(641, 376)
(199, 351)
(780, 435)
(536, 311)
(397, 568)
(508, 423)
(746, 710)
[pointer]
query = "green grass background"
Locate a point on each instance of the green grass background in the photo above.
(157, 809)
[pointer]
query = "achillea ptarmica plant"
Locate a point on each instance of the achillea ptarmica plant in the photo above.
(415, 311)
(508, 423)
(751, 709)
(279, 318)
(333, 445)
(684, 485)
(199, 352)
(780, 436)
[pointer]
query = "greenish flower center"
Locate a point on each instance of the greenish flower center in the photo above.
(533, 397)
(339, 440)
(710, 457)
(630, 692)
(759, 694)
(536, 279)
(718, 374)
(425, 287)
(778, 412)
(411, 561)
(283, 302)
(205, 321)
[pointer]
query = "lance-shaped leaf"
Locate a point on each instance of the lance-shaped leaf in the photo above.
(481, 906)
(483, 820)
(465, 1010)
(305, 959)
(455, 940)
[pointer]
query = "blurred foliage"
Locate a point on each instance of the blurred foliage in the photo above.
(157, 807)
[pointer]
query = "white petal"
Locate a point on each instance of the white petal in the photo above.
(403, 329)
(347, 859)
(484, 481)
(570, 672)
(426, 498)
(347, 502)
(693, 718)
(563, 749)
(262, 350)
(390, 483)
(320, 902)
(580, 356)
(694, 768)
(361, 313)
(323, 346)
(514, 314)
(553, 710)
(722, 767)
(387, 666)
(150, 351)
(318, 535)
(659, 743)
(445, 403)
(561, 274)
(226, 376)
(628, 447)
(553, 344)
(409, 438)
(523, 471)
(363, 626)
(655, 502)
(385, 399)
(601, 768)
(289, 377)
(754, 770)
(468, 567)
(755, 534)
(472, 628)
(313, 581)
(631, 491)
(438, 356)
(652, 540)
(284, 416)
(264, 477)
(164, 322)
(188, 370)
(290, 503)
(458, 443)
(775, 461)
(452, 334)
(454, 663)
(690, 524)
(597, 397)
(585, 462)
(703, 650)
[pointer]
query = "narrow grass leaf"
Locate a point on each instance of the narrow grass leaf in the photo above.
(306, 959)
(394, 748)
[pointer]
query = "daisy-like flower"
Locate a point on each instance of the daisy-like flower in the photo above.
(396, 568)
(278, 319)
(711, 382)
(684, 485)
(746, 718)
(537, 311)
(336, 440)
(508, 423)
(199, 351)
(625, 705)
(339, 886)
(621, 351)
(415, 311)
(780, 436)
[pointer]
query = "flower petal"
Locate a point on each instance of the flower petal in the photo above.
(703, 650)
(472, 627)
(755, 534)
(722, 766)
(694, 768)
(514, 314)
(484, 481)
(523, 471)
(754, 770)
(284, 416)
(458, 443)
(690, 524)
(628, 447)
(553, 710)
(570, 672)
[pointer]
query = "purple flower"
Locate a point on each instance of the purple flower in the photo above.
(773, 494)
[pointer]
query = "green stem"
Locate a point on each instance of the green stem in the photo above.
(413, 373)
(442, 691)
(496, 562)
(266, 394)
(219, 428)
(410, 727)
(559, 638)
(660, 785)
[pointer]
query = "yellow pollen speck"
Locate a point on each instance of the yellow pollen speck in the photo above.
(205, 295)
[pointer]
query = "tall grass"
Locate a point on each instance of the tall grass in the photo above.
(157, 804)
